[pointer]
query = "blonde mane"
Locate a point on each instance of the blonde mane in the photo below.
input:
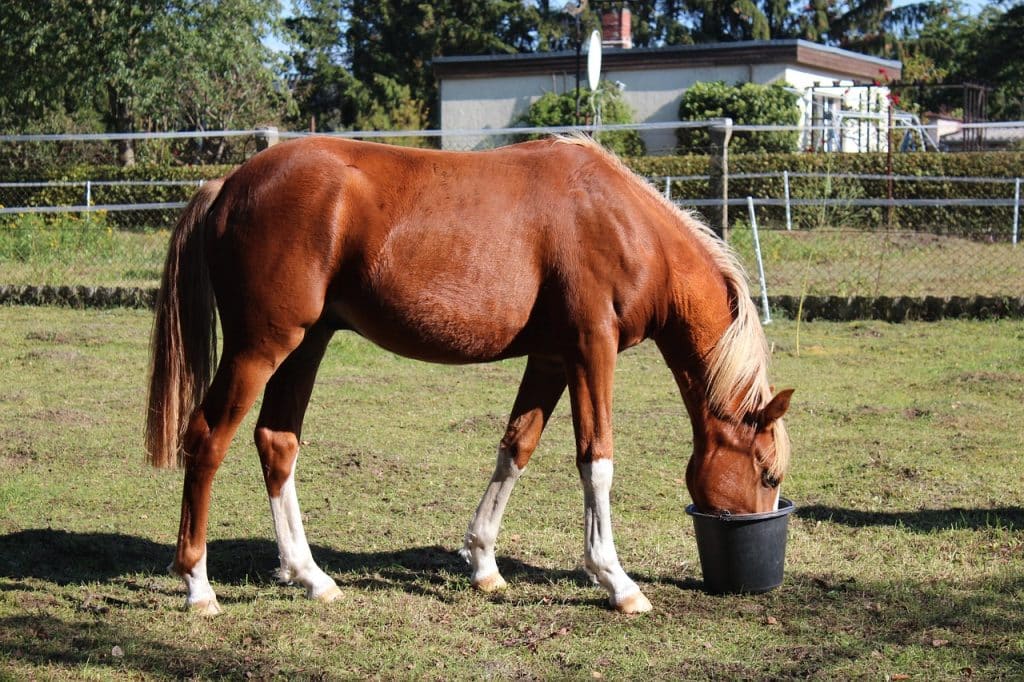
(737, 366)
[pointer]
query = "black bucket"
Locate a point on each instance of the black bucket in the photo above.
(742, 553)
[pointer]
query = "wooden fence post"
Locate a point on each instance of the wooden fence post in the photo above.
(718, 170)
(266, 137)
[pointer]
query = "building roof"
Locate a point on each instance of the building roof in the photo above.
(794, 51)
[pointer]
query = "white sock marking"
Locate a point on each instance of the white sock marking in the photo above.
(199, 589)
(297, 563)
(600, 559)
(478, 545)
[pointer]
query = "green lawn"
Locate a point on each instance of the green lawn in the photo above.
(906, 556)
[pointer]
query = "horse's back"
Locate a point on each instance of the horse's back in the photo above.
(438, 255)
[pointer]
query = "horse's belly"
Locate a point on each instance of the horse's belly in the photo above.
(439, 322)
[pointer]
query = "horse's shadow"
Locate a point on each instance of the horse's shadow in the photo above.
(76, 558)
(79, 558)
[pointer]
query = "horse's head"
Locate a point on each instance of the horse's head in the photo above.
(739, 465)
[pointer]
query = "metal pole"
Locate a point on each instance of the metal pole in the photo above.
(785, 187)
(668, 187)
(1016, 210)
(88, 192)
(579, 48)
(891, 209)
(760, 263)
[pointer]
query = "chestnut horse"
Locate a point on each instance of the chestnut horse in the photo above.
(550, 249)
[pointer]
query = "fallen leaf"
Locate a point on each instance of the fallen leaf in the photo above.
(899, 676)
(771, 620)
(594, 674)
(939, 642)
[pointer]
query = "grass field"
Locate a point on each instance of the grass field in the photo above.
(906, 556)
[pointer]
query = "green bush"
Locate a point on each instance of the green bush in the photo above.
(553, 109)
(745, 104)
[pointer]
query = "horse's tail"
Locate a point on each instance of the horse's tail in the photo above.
(183, 347)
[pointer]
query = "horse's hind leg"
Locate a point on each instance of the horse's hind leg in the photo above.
(542, 385)
(234, 389)
(278, 433)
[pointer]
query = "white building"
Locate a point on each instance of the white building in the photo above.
(492, 91)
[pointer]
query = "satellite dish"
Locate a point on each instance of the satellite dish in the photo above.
(594, 60)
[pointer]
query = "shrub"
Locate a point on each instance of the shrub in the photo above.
(745, 104)
(553, 109)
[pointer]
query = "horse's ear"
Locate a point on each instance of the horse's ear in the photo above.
(776, 407)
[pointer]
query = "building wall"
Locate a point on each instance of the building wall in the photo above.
(654, 94)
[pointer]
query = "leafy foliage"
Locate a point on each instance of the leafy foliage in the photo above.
(364, 64)
(124, 67)
(746, 104)
(554, 109)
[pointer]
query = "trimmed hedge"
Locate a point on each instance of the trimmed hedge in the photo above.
(975, 221)
(102, 194)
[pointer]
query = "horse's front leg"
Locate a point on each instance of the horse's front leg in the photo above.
(542, 385)
(277, 435)
(590, 388)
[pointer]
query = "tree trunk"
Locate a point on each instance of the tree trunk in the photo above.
(122, 122)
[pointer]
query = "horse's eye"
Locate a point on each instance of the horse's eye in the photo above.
(768, 480)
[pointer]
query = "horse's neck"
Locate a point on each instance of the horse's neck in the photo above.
(703, 313)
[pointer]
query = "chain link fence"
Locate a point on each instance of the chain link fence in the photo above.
(821, 233)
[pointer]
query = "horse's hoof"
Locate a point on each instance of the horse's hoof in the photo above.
(490, 583)
(207, 607)
(634, 603)
(332, 593)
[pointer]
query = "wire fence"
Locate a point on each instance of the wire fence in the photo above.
(821, 233)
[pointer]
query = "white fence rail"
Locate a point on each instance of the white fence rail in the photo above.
(61, 233)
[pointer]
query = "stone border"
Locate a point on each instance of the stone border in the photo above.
(832, 308)
(78, 296)
(898, 308)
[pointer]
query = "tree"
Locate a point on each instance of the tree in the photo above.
(131, 65)
(1001, 60)
(206, 77)
(727, 20)
(399, 38)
